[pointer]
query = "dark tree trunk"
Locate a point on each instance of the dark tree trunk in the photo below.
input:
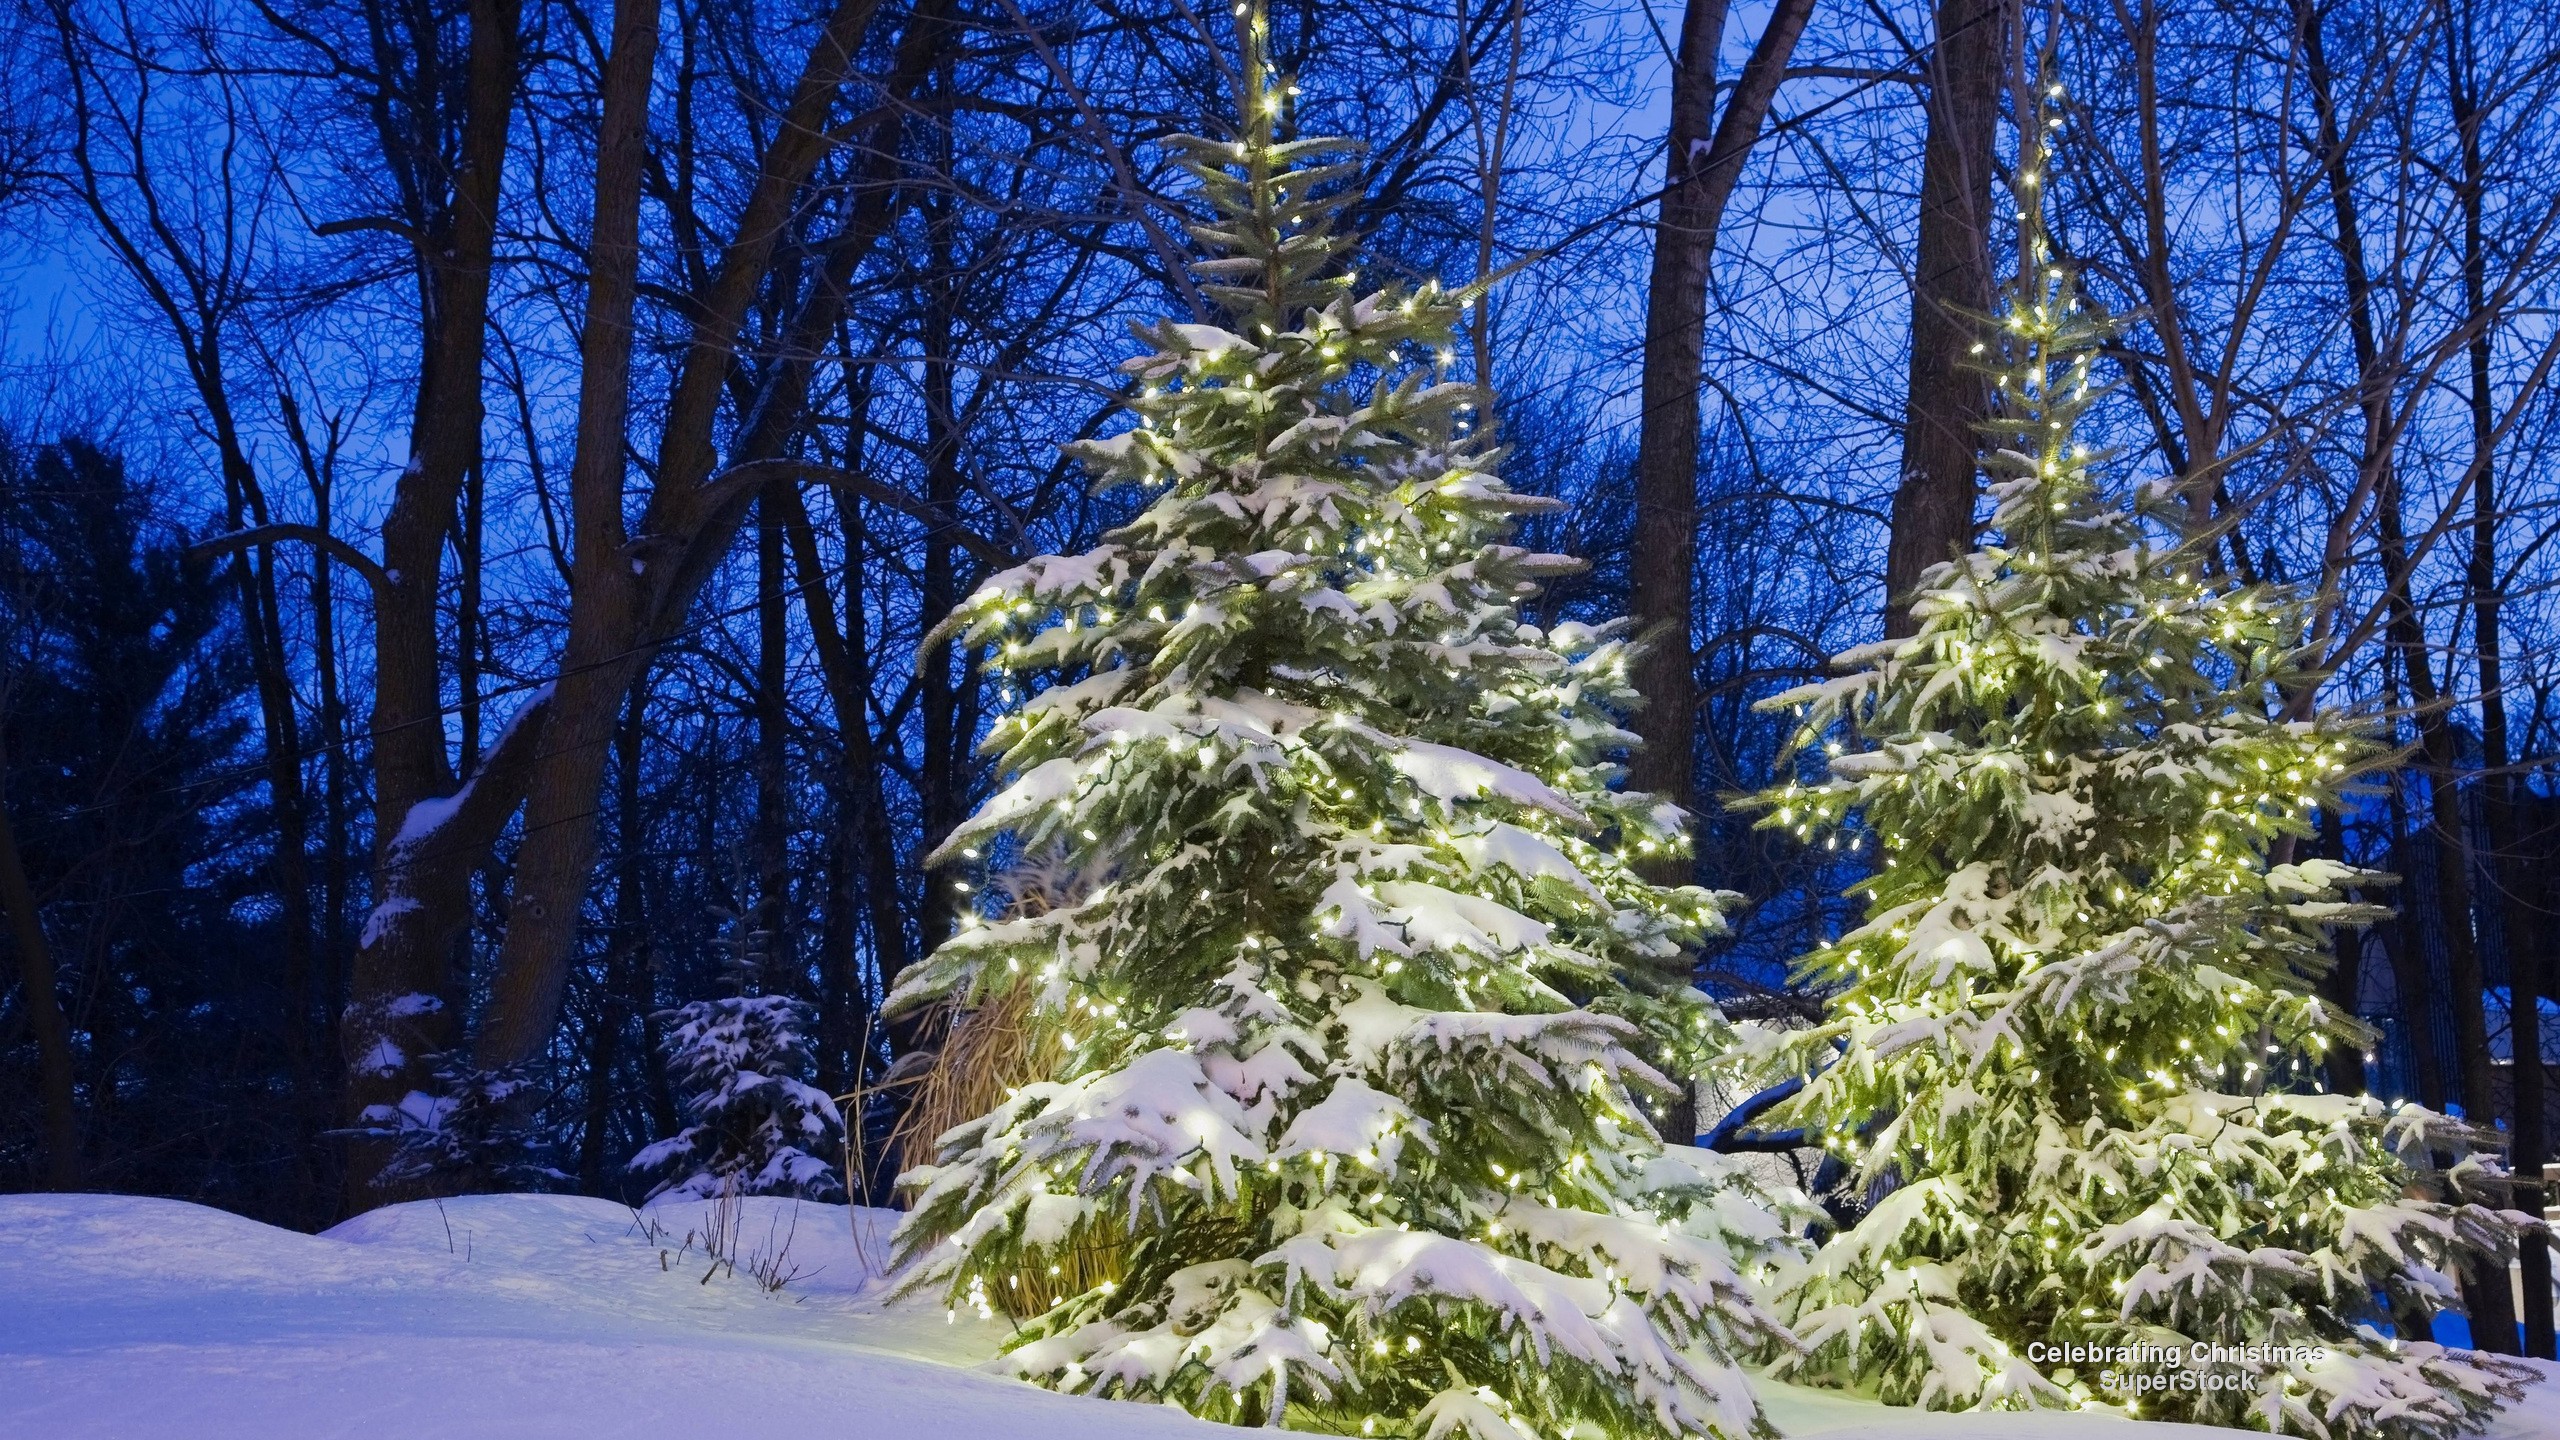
(2484, 1286)
(334, 818)
(44, 1015)
(262, 627)
(599, 661)
(2340, 987)
(867, 842)
(1699, 172)
(2532, 981)
(2413, 988)
(2498, 808)
(942, 772)
(773, 718)
(1698, 179)
(604, 1053)
(1951, 285)
(2485, 1291)
(395, 1020)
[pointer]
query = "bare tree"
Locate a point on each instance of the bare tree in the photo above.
(1699, 177)
(1948, 395)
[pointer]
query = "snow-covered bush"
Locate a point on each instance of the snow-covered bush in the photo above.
(476, 1132)
(1353, 1020)
(740, 1065)
(2077, 1029)
(759, 1127)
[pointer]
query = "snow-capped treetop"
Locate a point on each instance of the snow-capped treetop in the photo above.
(2082, 988)
(1317, 617)
(1357, 1004)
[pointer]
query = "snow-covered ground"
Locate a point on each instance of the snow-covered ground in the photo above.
(562, 1318)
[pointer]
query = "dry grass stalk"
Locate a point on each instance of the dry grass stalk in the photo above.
(985, 1054)
(1098, 1253)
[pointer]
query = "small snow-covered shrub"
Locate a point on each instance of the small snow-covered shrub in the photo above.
(474, 1133)
(758, 1127)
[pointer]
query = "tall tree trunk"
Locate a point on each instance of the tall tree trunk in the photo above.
(262, 616)
(2518, 924)
(839, 973)
(1949, 395)
(2526, 920)
(2414, 991)
(314, 996)
(1699, 174)
(596, 668)
(2493, 1315)
(841, 998)
(2532, 981)
(878, 830)
(942, 771)
(429, 836)
(632, 594)
(604, 1054)
(44, 1015)
(2377, 475)
(844, 651)
(632, 879)
(867, 836)
(1662, 555)
(470, 621)
(773, 718)
(2493, 1312)
(1698, 179)
(334, 816)
(2341, 986)
(2484, 1286)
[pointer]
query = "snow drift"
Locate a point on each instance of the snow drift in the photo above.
(494, 1317)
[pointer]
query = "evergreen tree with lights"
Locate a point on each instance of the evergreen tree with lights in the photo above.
(1356, 1006)
(2075, 1040)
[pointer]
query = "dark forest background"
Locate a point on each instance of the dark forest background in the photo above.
(475, 476)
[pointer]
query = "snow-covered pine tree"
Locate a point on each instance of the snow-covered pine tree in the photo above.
(478, 1132)
(740, 1064)
(1380, 1173)
(2075, 1037)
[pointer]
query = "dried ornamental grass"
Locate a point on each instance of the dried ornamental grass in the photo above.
(985, 1054)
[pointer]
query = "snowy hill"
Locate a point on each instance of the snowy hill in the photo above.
(563, 1317)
